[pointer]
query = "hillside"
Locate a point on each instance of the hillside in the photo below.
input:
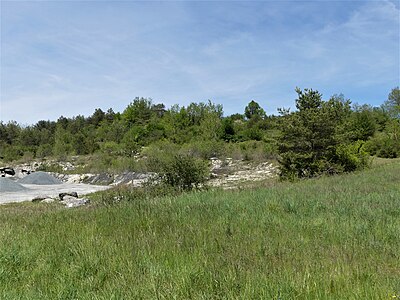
(327, 238)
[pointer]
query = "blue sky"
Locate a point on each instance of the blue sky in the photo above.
(71, 57)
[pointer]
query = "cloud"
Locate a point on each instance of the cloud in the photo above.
(70, 58)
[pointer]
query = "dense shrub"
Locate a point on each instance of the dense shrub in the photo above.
(205, 149)
(181, 171)
(44, 150)
(383, 145)
(353, 156)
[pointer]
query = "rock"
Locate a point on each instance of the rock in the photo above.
(27, 172)
(70, 194)
(131, 178)
(70, 202)
(40, 198)
(68, 198)
(67, 166)
(7, 171)
(234, 173)
(103, 178)
(48, 200)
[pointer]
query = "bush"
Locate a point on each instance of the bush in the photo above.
(256, 151)
(204, 149)
(11, 153)
(353, 156)
(181, 171)
(44, 150)
(382, 145)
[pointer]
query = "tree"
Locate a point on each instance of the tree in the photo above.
(63, 142)
(392, 104)
(138, 112)
(254, 110)
(97, 117)
(228, 130)
(211, 127)
(308, 144)
(110, 115)
(394, 97)
(362, 125)
(9, 133)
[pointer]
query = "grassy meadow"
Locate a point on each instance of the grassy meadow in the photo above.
(327, 238)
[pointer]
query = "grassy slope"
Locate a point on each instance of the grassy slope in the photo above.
(331, 238)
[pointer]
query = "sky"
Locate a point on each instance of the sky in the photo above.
(70, 57)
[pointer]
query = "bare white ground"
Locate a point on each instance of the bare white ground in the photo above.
(51, 191)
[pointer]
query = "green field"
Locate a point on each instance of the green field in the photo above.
(328, 238)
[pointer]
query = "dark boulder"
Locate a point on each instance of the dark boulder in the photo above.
(7, 171)
(72, 194)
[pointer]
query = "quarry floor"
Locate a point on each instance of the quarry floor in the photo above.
(50, 191)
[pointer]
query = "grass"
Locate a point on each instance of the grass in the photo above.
(330, 238)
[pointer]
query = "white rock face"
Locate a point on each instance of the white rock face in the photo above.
(48, 200)
(230, 174)
(71, 202)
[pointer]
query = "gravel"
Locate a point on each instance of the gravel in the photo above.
(8, 185)
(39, 178)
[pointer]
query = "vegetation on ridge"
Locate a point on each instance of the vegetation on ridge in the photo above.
(319, 137)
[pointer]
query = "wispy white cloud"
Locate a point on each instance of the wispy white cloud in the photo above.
(69, 58)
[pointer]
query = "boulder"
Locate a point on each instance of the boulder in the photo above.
(69, 194)
(48, 200)
(40, 198)
(71, 202)
(7, 171)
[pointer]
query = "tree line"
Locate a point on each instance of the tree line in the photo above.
(320, 136)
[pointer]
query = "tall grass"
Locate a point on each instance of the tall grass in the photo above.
(331, 238)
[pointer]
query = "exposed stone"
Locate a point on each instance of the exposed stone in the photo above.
(7, 171)
(70, 202)
(231, 174)
(213, 175)
(40, 198)
(132, 178)
(68, 198)
(48, 200)
(68, 194)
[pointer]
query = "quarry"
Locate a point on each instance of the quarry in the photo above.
(29, 184)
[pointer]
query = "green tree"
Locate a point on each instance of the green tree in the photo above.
(392, 104)
(138, 112)
(97, 117)
(9, 133)
(254, 110)
(131, 140)
(228, 129)
(63, 142)
(308, 143)
(362, 123)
